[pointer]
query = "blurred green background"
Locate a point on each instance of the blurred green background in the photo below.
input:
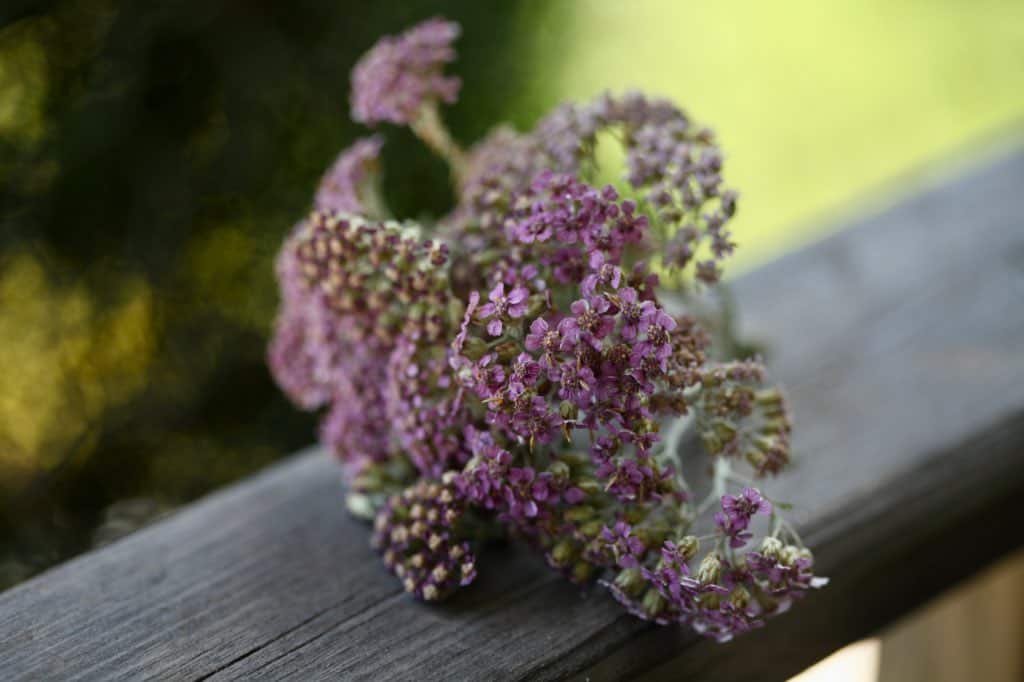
(153, 155)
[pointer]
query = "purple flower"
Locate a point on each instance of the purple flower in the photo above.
(542, 337)
(425, 416)
(658, 342)
(576, 384)
(725, 622)
(525, 373)
(574, 495)
(521, 495)
(734, 528)
(460, 338)
(536, 421)
(636, 314)
(500, 307)
(626, 548)
(603, 274)
(344, 186)
(401, 74)
(736, 513)
(291, 360)
(488, 377)
(590, 323)
(746, 504)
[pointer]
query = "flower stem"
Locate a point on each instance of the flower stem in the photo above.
(429, 127)
(722, 470)
(671, 450)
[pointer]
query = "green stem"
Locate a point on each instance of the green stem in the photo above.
(429, 127)
(722, 470)
(671, 448)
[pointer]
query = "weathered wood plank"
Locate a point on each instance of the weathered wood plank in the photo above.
(901, 341)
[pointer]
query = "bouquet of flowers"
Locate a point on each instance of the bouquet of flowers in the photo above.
(516, 370)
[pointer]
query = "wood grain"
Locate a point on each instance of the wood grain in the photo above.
(901, 341)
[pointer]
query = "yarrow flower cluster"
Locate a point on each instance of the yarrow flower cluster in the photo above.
(401, 74)
(517, 369)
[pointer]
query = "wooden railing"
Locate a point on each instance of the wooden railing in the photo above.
(901, 342)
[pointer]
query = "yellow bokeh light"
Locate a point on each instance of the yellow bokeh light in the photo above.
(64, 361)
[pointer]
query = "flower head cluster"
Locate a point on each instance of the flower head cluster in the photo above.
(519, 495)
(674, 164)
(741, 418)
(403, 73)
(347, 186)
(381, 277)
(417, 532)
(723, 594)
(519, 370)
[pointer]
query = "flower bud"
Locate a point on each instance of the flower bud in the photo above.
(712, 443)
(769, 397)
(740, 598)
(559, 471)
(582, 572)
(360, 506)
(710, 569)
(630, 580)
(507, 350)
(590, 486)
(789, 555)
(474, 348)
(562, 553)
(652, 603)
(755, 458)
(724, 430)
(771, 548)
(579, 513)
(535, 306)
(688, 547)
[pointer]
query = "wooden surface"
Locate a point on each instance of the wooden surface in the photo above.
(901, 343)
(974, 632)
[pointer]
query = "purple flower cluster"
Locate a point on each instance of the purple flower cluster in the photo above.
(607, 365)
(737, 511)
(347, 184)
(516, 369)
(520, 495)
(404, 73)
(740, 418)
(725, 594)
(675, 165)
(383, 279)
(424, 414)
(417, 532)
(356, 292)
